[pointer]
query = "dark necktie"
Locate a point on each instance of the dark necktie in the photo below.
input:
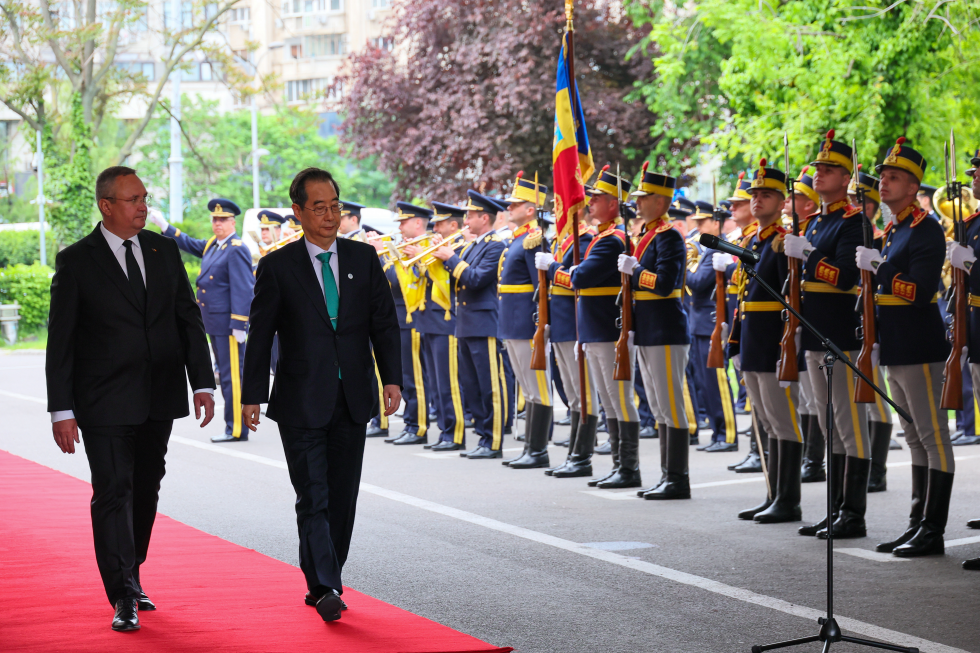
(135, 276)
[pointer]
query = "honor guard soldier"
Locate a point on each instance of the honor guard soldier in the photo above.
(661, 334)
(755, 339)
(879, 413)
(563, 337)
(408, 290)
(350, 222)
(474, 272)
(714, 385)
(907, 273)
(436, 321)
(224, 293)
(830, 278)
(516, 327)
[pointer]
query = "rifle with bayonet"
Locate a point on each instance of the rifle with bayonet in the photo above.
(623, 370)
(952, 397)
(867, 332)
(539, 361)
(789, 369)
(716, 348)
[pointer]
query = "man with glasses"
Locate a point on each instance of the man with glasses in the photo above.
(224, 293)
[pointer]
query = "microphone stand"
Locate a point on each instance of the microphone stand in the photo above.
(830, 632)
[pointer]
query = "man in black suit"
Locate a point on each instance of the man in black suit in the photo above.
(123, 331)
(329, 300)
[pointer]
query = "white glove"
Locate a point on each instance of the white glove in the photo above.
(543, 260)
(156, 217)
(571, 270)
(797, 246)
(964, 355)
(798, 338)
(720, 261)
(627, 263)
(867, 258)
(876, 355)
(239, 335)
(960, 257)
(737, 362)
(725, 332)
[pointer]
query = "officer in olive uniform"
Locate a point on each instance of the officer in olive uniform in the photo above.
(830, 278)
(907, 272)
(474, 272)
(224, 293)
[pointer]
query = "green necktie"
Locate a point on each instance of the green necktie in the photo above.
(329, 288)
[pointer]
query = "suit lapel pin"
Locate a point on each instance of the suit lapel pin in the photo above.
(350, 276)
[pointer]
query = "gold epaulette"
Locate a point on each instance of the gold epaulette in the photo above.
(492, 237)
(533, 239)
(236, 242)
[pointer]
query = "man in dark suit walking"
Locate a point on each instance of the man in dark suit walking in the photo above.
(124, 336)
(329, 300)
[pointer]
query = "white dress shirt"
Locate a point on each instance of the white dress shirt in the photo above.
(119, 251)
(313, 250)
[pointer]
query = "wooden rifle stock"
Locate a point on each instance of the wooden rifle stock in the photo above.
(952, 397)
(864, 393)
(623, 371)
(716, 349)
(538, 359)
(789, 369)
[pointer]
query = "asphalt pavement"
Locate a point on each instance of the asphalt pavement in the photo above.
(547, 565)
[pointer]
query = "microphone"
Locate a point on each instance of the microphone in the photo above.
(747, 256)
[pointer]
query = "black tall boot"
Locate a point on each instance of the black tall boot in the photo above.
(580, 462)
(537, 438)
(786, 506)
(920, 479)
(773, 468)
(928, 540)
(837, 494)
(662, 437)
(850, 522)
(573, 421)
(612, 426)
(754, 463)
(816, 448)
(628, 474)
(678, 483)
(881, 439)
(528, 412)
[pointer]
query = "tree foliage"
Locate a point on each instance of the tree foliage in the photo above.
(467, 97)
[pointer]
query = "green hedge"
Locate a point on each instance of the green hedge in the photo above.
(23, 247)
(29, 286)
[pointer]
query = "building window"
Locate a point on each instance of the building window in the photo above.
(296, 51)
(382, 43)
(241, 15)
(192, 74)
(144, 68)
(140, 24)
(380, 4)
(335, 5)
(186, 15)
(325, 45)
(302, 89)
(207, 72)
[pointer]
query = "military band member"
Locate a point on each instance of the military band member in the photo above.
(714, 385)
(224, 293)
(350, 222)
(584, 420)
(661, 332)
(755, 339)
(270, 227)
(474, 272)
(516, 327)
(830, 278)
(907, 273)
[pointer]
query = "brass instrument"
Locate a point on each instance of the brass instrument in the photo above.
(265, 249)
(944, 207)
(425, 258)
(692, 256)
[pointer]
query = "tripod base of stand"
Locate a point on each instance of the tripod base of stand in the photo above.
(829, 633)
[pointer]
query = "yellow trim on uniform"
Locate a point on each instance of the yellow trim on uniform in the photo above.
(382, 418)
(242, 318)
(589, 408)
(892, 300)
(669, 371)
(458, 270)
(641, 295)
(564, 292)
(236, 389)
(506, 288)
(876, 377)
(820, 286)
(422, 405)
(974, 300)
(692, 420)
(855, 422)
(727, 407)
(599, 292)
(792, 416)
(505, 395)
(519, 401)
(542, 379)
(206, 245)
(459, 430)
(495, 379)
(943, 463)
(761, 307)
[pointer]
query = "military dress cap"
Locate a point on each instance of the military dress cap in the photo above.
(703, 210)
(407, 211)
(294, 223)
(526, 191)
(835, 153)
(607, 184)
(479, 202)
(926, 189)
(741, 193)
(442, 211)
(680, 208)
(903, 157)
(868, 183)
(654, 183)
(222, 208)
(726, 205)
(975, 162)
(804, 186)
(269, 218)
(351, 208)
(770, 178)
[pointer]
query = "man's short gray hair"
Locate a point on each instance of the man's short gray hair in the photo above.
(103, 185)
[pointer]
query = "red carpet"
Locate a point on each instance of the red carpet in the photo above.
(211, 595)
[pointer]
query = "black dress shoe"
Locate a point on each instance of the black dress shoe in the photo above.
(483, 453)
(433, 418)
(311, 599)
(465, 454)
(973, 523)
(144, 603)
(648, 433)
(395, 437)
(704, 423)
(230, 438)
(741, 462)
(603, 448)
(564, 421)
(973, 564)
(374, 431)
(751, 466)
(126, 617)
(715, 447)
(446, 445)
(412, 438)
(705, 446)
(329, 606)
(965, 440)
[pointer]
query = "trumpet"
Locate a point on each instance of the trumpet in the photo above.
(379, 236)
(265, 249)
(425, 258)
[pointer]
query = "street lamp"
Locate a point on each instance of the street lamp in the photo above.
(256, 152)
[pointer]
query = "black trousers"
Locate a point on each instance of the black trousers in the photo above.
(127, 464)
(325, 470)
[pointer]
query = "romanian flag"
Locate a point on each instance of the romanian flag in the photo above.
(571, 155)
